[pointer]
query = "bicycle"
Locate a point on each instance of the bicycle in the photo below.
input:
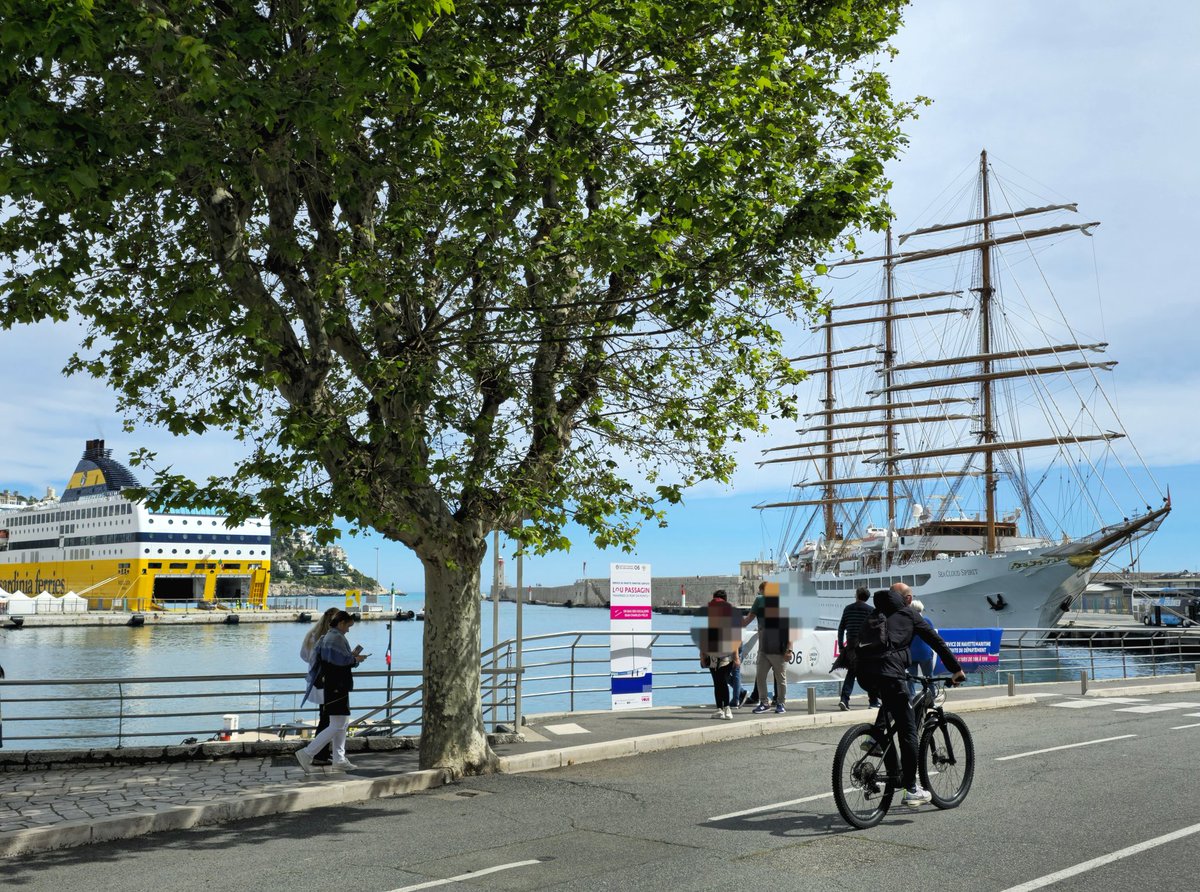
(866, 767)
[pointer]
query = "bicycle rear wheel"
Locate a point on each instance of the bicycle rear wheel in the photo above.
(862, 783)
(946, 760)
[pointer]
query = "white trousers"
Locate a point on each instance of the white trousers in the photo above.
(334, 735)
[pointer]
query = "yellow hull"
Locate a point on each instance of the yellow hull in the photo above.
(134, 584)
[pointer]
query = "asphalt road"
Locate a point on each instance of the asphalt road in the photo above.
(1114, 807)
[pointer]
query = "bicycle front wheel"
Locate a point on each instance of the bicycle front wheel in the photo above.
(862, 784)
(946, 760)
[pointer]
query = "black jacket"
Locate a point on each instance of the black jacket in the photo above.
(853, 617)
(903, 624)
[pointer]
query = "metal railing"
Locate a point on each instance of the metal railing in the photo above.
(559, 672)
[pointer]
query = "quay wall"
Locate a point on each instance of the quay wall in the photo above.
(665, 591)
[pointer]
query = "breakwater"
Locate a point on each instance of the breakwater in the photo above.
(665, 591)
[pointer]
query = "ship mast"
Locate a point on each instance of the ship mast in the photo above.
(889, 359)
(985, 338)
(830, 528)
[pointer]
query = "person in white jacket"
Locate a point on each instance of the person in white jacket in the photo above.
(308, 652)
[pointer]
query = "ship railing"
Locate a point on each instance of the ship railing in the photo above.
(560, 672)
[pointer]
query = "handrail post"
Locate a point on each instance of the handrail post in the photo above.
(120, 715)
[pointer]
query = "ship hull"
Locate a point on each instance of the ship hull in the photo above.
(1015, 590)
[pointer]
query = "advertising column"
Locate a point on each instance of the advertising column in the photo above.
(629, 611)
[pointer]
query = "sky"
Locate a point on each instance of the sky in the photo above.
(1080, 99)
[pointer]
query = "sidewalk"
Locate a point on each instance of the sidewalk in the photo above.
(43, 809)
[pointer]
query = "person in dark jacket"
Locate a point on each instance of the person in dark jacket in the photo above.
(853, 616)
(334, 660)
(885, 675)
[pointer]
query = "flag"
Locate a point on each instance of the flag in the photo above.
(387, 658)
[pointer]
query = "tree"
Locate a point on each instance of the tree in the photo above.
(444, 268)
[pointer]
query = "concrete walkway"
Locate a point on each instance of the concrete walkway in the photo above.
(48, 808)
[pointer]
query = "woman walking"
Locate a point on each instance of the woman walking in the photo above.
(719, 651)
(332, 665)
(308, 653)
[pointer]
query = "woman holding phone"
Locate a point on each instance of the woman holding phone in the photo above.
(308, 653)
(334, 660)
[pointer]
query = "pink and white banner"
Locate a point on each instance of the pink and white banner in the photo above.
(629, 654)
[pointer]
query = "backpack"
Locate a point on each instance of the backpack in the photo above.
(873, 638)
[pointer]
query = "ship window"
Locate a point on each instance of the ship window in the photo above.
(155, 565)
(180, 566)
(169, 520)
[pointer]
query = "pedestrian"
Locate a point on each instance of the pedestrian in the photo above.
(757, 611)
(719, 651)
(774, 644)
(853, 616)
(331, 669)
(737, 696)
(308, 653)
(921, 655)
(884, 673)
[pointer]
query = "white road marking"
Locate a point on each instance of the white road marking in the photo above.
(568, 728)
(1051, 878)
(467, 876)
(1079, 704)
(1104, 699)
(1181, 727)
(1065, 746)
(1158, 707)
(771, 807)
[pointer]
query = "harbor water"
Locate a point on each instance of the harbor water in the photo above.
(69, 653)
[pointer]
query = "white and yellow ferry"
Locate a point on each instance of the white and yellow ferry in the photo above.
(96, 542)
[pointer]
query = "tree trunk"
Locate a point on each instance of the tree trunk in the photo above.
(452, 733)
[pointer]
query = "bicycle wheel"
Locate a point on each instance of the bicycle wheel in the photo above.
(862, 784)
(946, 760)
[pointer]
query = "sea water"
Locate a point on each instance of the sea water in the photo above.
(71, 653)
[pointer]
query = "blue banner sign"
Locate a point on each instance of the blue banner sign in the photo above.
(974, 648)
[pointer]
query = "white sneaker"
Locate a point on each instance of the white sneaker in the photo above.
(728, 714)
(719, 714)
(916, 797)
(304, 759)
(345, 765)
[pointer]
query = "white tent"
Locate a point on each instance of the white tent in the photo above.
(47, 603)
(20, 603)
(3, 601)
(72, 603)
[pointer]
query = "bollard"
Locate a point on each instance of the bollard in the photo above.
(1083, 681)
(1012, 686)
(812, 701)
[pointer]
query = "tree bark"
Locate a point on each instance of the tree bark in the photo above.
(452, 732)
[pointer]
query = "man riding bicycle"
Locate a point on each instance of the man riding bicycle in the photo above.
(884, 675)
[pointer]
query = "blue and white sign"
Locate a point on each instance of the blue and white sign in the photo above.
(973, 648)
(630, 662)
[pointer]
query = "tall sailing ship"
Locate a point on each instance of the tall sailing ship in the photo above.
(960, 432)
(100, 544)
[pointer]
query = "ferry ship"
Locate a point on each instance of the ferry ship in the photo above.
(100, 544)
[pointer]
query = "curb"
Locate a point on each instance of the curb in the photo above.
(714, 733)
(81, 833)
